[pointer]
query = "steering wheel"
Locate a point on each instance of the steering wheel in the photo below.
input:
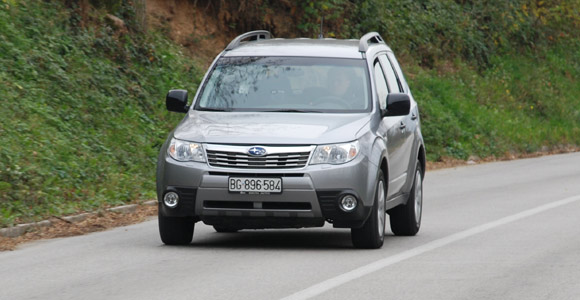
(332, 100)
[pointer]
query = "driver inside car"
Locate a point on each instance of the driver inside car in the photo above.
(345, 85)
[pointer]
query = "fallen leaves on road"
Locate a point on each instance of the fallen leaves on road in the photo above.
(98, 222)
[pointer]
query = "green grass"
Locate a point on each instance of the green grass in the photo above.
(82, 112)
(83, 116)
(521, 104)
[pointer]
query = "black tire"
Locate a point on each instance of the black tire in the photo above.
(176, 230)
(406, 219)
(372, 235)
(224, 229)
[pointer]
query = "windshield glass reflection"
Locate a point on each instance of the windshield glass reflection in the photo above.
(286, 84)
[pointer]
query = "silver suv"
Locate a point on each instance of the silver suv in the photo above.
(291, 133)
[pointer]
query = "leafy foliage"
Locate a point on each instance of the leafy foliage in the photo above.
(433, 30)
(520, 104)
(82, 116)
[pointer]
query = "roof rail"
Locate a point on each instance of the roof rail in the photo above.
(252, 35)
(371, 37)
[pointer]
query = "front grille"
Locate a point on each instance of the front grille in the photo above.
(229, 204)
(257, 205)
(287, 205)
(229, 159)
(257, 175)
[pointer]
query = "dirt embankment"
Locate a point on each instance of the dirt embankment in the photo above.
(205, 27)
(190, 25)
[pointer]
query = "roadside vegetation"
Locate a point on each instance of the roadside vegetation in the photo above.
(493, 78)
(82, 114)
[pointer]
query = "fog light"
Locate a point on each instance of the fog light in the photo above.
(348, 203)
(170, 199)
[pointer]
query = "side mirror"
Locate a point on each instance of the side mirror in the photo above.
(176, 100)
(398, 104)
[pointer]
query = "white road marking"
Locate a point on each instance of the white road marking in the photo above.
(339, 280)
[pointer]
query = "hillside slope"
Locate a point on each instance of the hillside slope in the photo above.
(495, 78)
(83, 115)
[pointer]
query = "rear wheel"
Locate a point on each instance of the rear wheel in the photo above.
(176, 230)
(372, 234)
(406, 219)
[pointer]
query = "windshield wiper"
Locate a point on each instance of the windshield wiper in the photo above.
(294, 110)
(212, 109)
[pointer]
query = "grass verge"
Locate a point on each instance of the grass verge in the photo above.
(82, 114)
(83, 118)
(521, 104)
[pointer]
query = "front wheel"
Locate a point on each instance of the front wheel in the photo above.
(372, 234)
(176, 230)
(406, 219)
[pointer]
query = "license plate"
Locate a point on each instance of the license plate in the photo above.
(255, 185)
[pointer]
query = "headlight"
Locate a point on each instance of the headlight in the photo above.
(185, 151)
(335, 154)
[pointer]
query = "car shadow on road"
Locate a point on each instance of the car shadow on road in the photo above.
(276, 239)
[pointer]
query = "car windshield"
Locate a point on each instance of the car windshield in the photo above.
(287, 84)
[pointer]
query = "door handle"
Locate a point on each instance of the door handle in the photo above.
(402, 126)
(413, 116)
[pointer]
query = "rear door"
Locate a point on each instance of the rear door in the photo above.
(412, 120)
(390, 128)
(406, 123)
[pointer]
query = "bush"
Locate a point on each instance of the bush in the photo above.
(83, 116)
(433, 30)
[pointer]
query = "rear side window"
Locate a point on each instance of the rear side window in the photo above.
(397, 68)
(392, 80)
(381, 83)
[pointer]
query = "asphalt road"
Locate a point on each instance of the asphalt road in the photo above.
(507, 230)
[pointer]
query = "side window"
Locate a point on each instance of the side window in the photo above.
(381, 84)
(397, 68)
(392, 80)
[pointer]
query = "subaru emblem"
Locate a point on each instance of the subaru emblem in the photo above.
(257, 151)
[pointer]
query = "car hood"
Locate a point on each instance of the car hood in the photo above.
(270, 128)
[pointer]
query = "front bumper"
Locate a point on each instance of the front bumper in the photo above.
(310, 195)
